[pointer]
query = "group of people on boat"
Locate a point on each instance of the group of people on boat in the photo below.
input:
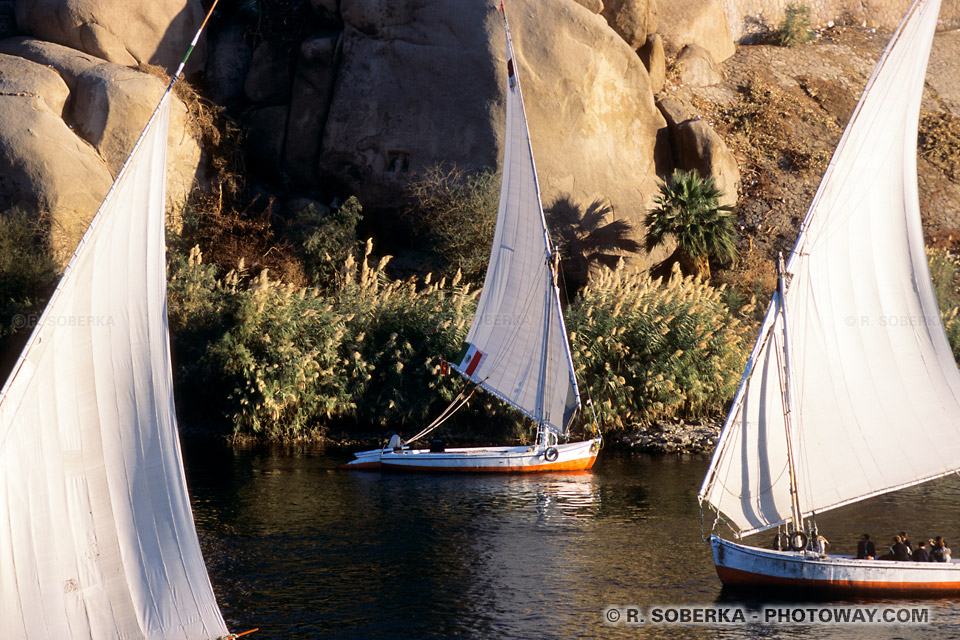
(902, 550)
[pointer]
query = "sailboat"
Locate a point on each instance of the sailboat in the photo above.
(851, 390)
(97, 537)
(517, 348)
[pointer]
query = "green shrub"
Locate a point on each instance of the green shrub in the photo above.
(28, 273)
(288, 362)
(945, 274)
(648, 351)
(452, 214)
(327, 242)
(795, 28)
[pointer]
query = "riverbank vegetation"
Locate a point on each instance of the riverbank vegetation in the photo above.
(28, 275)
(353, 352)
(358, 351)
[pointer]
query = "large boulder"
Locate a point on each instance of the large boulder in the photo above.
(44, 166)
(700, 22)
(655, 60)
(66, 169)
(127, 32)
(228, 62)
(310, 101)
(270, 74)
(697, 147)
(590, 108)
(417, 86)
(697, 67)
(422, 82)
(632, 19)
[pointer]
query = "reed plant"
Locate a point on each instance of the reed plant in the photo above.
(651, 351)
(282, 362)
(289, 362)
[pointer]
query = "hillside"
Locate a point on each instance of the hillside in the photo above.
(782, 112)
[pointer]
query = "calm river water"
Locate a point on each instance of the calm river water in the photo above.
(302, 550)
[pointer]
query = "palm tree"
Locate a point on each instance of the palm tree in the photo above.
(584, 240)
(688, 209)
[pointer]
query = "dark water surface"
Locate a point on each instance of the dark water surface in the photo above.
(302, 550)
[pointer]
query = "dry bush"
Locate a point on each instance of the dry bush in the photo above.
(938, 142)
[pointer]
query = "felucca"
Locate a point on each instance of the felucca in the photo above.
(517, 348)
(97, 537)
(851, 390)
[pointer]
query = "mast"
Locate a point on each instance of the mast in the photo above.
(517, 347)
(553, 258)
(788, 398)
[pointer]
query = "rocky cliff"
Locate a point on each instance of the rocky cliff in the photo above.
(362, 96)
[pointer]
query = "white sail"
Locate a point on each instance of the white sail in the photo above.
(517, 345)
(876, 388)
(97, 538)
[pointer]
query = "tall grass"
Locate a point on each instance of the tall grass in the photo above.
(649, 351)
(292, 361)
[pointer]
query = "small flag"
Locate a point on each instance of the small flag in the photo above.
(470, 358)
(444, 368)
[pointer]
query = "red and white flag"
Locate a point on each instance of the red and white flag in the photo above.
(470, 359)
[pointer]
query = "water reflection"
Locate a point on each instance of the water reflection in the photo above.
(305, 551)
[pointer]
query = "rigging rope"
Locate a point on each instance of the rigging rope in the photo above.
(446, 413)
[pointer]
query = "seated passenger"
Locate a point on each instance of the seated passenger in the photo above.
(898, 550)
(921, 554)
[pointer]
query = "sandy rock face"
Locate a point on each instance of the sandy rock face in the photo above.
(700, 22)
(44, 166)
(697, 147)
(421, 83)
(65, 170)
(123, 31)
(416, 86)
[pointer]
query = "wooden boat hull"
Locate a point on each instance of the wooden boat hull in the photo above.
(744, 566)
(573, 456)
